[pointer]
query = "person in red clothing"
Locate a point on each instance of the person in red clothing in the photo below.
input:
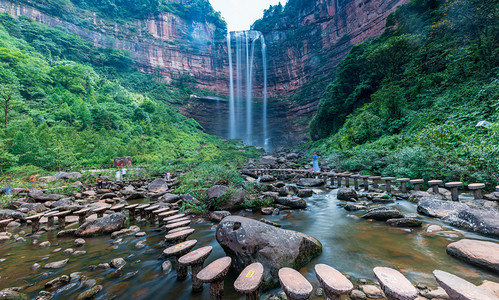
(99, 181)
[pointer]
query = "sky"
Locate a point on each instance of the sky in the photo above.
(240, 14)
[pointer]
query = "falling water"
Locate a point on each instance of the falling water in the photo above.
(241, 108)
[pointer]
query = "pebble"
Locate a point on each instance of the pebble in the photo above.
(57, 250)
(117, 241)
(79, 253)
(44, 295)
(357, 295)
(2, 260)
(434, 228)
(104, 266)
(79, 243)
(35, 266)
(44, 244)
(140, 244)
(68, 251)
(90, 293)
(372, 291)
(319, 292)
(117, 263)
(140, 234)
(438, 293)
(89, 283)
(57, 264)
(166, 267)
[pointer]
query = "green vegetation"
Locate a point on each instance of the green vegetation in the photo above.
(407, 103)
(278, 14)
(64, 102)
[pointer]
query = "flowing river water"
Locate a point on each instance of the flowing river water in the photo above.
(350, 244)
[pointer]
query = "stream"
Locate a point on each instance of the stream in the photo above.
(351, 244)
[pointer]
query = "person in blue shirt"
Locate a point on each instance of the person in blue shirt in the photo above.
(315, 162)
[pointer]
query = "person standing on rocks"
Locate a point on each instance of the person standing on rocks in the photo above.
(315, 163)
(99, 181)
(123, 173)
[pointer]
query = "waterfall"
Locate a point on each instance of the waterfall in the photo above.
(241, 103)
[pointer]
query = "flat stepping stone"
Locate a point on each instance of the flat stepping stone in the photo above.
(82, 211)
(460, 289)
(151, 208)
(179, 229)
(4, 223)
(454, 184)
(394, 284)
(294, 285)
(100, 209)
(143, 206)
(180, 249)
(178, 220)
(62, 213)
(195, 259)
(332, 281)
(179, 236)
(118, 207)
(214, 274)
(167, 213)
(249, 280)
(161, 210)
(173, 217)
(479, 253)
(31, 218)
(171, 226)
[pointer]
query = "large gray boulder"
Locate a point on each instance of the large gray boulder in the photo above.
(158, 185)
(101, 226)
(216, 191)
(383, 214)
(347, 194)
(439, 208)
(296, 203)
(68, 175)
(39, 196)
(247, 241)
(9, 213)
(169, 198)
(267, 161)
(483, 220)
(310, 182)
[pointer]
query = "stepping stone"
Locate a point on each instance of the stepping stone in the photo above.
(195, 259)
(394, 284)
(453, 189)
(477, 189)
(61, 218)
(118, 208)
(375, 180)
(333, 282)
(178, 220)
(131, 212)
(166, 220)
(100, 211)
(50, 218)
(434, 185)
(179, 229)
(161, 210)
(171, 226)
(416, 183)
(82, 213)
(403, 184)
(178, 236)
(294, 285)
(4, 223)
(249, 281)
(179, 250)
(167, 213)
(458, 288)
(479, 253)
(214, 274)
(35, 222)
(388, 181)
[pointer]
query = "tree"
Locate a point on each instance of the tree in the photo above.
(10, 97)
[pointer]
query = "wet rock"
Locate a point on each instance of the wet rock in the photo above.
(68, 251)
(57, 264)
(372, 291)
(44, 295)
(267, 210)
(482, 220)
(57, 282)
(35, 266)
(158, 185)
(126, 231)
(310, 182)
(438, 293)
(295, 203)
(10, 294)
(101, 226)
(89, 283)
(354, 207)
(90, 293)
(270, 222)
(166, 267)
(267, 178)
(11, 214)
(480, 253)
(140, 244)
(44, 244)
(117, 263)
(439, 208)
(79, 243)
(66, 233)
(347, 194)
(80, 252)
(104, 266)
(416, 196)
(217, 216)
(140, 234)
(247, 241)
(434, 228)
(305, 193)
(404, 222)
(249, 173)
(383, 214)
(284, 191)
(357, 295)
(491, 287)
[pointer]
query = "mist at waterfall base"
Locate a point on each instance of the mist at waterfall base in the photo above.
(248, 107)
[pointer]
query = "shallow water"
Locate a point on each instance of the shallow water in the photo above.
(351, 245)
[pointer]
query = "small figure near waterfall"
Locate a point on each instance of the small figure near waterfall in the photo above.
(315, 163)
(99, 181)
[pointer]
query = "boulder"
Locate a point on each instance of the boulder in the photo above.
(296, 203)
(62, 203)
(39, 196)
(482, 220)
(492, 196)
(57, 264)
(305, 193)
(169, 198)
(267, 161)
(479, 253)
(57, 282)
(8, 294)
(158, 185)
(217, 216)
(458, 288)
(247, 241)
(439, 208)
(249, 173)
(404, 222)
(267, 178)
(416, 196)
(216, 191)
(36, 207)
(136, 195)
(347, 194)
(108, 196)
(11, 214)
(383, 214)
(117, 263)
(68, 175)
(234, 202)
(310, 182)
(101, 226)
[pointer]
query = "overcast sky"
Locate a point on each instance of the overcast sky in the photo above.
(240, 14)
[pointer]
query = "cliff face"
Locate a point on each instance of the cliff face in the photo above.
(164, 44)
